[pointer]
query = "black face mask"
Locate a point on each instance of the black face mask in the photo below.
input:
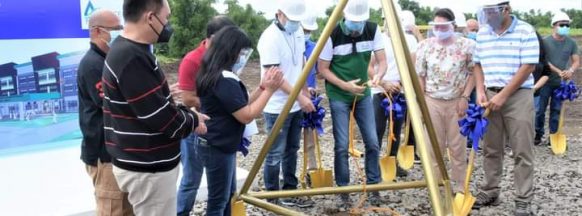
(166, 34)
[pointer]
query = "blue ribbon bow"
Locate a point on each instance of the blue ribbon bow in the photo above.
(566, 91)
(398, 106)
(474, 125)
(243, 146)
(314, 119)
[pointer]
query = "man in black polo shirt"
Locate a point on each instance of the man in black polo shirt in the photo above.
(104, 27)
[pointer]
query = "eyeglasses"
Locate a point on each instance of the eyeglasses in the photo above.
(109, 28)
(564, 25)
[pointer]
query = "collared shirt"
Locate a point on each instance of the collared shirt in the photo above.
(502, 55)
(279, 48)
(90, 112)
(190, 66)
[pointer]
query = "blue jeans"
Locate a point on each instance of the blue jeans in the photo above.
(283, 152)
(192, 174)
(221, 177)
(381, 124)
(547, 96)
(364, 114)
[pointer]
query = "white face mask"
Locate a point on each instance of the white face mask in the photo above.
(443, 31)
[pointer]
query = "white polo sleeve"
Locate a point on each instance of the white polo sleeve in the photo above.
(327, 51)
(268, 49)
(378, 40)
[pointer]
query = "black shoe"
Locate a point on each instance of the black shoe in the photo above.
(416, 159)
(538, 140)
(274, 201)
(301, 202)
(344, 202)
(523, 209)
(401, 172)
(375, 198)
(482, 200)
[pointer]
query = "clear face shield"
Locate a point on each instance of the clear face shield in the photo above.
(243, 58)
(491, 16)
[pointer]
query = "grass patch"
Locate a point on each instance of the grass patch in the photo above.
(166, 60)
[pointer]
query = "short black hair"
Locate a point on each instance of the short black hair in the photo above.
(445, 13)
(216, 23)
(134, 9)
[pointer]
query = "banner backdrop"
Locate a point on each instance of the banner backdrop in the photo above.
(41, 44)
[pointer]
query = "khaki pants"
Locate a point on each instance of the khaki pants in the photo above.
(310, 150)
(110, 200)
(443, 114)
(514, 120)
(149, 193)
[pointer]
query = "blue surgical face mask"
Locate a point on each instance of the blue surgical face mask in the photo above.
(443, 35)
(564, 31)
(291, 26)
(355, 28)
(472, 35)
(307, 36)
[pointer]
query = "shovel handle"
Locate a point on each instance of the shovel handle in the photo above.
(316, 141)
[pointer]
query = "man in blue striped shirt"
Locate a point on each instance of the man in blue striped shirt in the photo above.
(506, 54)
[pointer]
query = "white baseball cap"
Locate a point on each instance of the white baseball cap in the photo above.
(293, 9)
(357, 10)
(560, 16)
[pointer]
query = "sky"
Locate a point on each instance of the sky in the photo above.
(467, 6)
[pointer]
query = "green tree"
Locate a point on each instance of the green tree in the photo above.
(189, 18)
(251, 21)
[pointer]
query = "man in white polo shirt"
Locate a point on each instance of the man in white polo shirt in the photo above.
(282, 45)
(506, 54)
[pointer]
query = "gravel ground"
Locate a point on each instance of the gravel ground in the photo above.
(558, 188)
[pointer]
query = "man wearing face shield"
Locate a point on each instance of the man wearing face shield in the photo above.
(282, 45)
(563, 59)
(443, 63)
(506, 55)
(344, 64)
(143, 125)
(110, 200)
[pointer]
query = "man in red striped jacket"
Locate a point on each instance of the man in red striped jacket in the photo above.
(143, 126)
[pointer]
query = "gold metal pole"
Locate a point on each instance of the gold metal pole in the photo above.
(338, 190)
(269, 206)
(337, 13)
(417, 113)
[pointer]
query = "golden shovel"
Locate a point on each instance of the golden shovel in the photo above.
(463, 203)
(387, 162)
(558, 140)
(405, 154)
(320, 177)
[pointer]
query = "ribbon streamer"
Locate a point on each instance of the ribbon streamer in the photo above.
(398, 106)
(474, 125)
(567, 91)
(314, 119)
(243, 146)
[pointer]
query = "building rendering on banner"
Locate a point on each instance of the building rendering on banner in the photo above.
(44, 86)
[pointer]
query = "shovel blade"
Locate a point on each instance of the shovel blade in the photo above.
(388, 168)
(405, 157)
(321, 178)
(558, 143)
(463, 204)
(238, 208)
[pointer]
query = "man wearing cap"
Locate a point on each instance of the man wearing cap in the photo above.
(563, 58)
(344, 65)
(506, 55)
(282, 45)
(309, 25)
